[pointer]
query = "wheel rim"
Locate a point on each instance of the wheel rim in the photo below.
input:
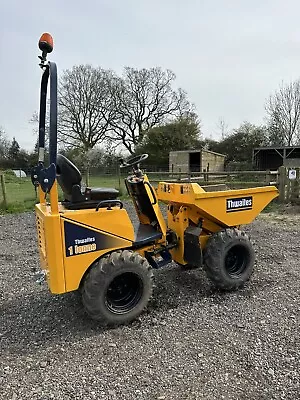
(124, 293)
(236, 261)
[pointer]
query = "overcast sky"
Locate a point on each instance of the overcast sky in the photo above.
(228, 55)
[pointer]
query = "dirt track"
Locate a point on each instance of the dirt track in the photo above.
(193, 343)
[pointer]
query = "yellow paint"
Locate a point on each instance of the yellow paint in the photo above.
(54, 198)
(188, 204)
(212, 205)
(65, 273)
(50, 246)
(178, 222)
(114, 223)
(42, 196)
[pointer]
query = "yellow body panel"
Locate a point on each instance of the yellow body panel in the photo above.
(50, 247)
(66, 264)
(216, 206)
(179, 218)
(178, 223)
(70, 241)
(189, 203)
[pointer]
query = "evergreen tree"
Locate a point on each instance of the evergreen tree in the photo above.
(14, 150)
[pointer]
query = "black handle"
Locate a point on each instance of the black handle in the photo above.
(50, 71)
(152, 192)
(108, 204)
(46, 176)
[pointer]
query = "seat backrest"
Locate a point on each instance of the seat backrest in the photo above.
(67, 174)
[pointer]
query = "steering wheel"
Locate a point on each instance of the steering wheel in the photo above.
(133, 161)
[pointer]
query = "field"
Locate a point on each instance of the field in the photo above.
(193, 343)
(21, 194)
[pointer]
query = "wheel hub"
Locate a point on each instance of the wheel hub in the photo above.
(236, 261)
(124, 293)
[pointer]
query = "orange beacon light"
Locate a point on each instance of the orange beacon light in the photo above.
(46, 43)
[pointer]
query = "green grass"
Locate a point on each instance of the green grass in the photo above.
(108, 181)
(21, 195)
(18, 207)
(22, 190)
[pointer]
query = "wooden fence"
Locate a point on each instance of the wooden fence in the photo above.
(3, 196)
(286, 179)
(289, 185)
(243, 177)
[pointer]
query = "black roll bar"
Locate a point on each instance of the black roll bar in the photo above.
(50, 71)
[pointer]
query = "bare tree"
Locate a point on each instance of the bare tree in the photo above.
(34, 121)
(84, 106)
(283, 112)
(275, 130)
(143, 99)
(97, 106)
(222, 127)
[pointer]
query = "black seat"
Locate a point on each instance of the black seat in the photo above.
(69, 179)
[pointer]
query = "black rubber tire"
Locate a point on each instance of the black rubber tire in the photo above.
(229, 259)
(111, 277)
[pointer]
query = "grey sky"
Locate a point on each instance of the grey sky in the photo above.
(228, 55)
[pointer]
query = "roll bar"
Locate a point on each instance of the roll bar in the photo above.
(50, 71)
(41, 176)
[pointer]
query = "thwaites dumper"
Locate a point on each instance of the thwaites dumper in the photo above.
(88, 242)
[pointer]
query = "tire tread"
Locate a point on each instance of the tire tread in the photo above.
(214, 256)
(96, 280)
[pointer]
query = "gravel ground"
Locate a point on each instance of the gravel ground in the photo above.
(193, 342)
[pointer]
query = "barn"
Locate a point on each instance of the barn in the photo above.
(274, 157)
(196, 161)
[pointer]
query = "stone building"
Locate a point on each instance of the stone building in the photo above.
(196, 160)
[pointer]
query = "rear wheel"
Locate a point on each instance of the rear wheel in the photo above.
(117, 288)
(229, 259)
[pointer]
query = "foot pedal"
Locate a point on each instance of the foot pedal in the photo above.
(158, 260)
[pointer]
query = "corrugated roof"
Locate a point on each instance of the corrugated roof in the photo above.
(277, 148)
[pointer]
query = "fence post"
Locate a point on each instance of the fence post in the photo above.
(281, 183)
(298, 184)
(189, 175)
(294, 187)
(2, 179)
(205, 175)
(119, 175)
(268, 177)
(288, 192)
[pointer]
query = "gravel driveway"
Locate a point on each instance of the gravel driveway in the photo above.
(193, 343)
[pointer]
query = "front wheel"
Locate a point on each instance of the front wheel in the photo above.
(117, 288)
(229, 259)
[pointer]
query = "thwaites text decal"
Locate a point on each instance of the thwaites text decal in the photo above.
(239, 204)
